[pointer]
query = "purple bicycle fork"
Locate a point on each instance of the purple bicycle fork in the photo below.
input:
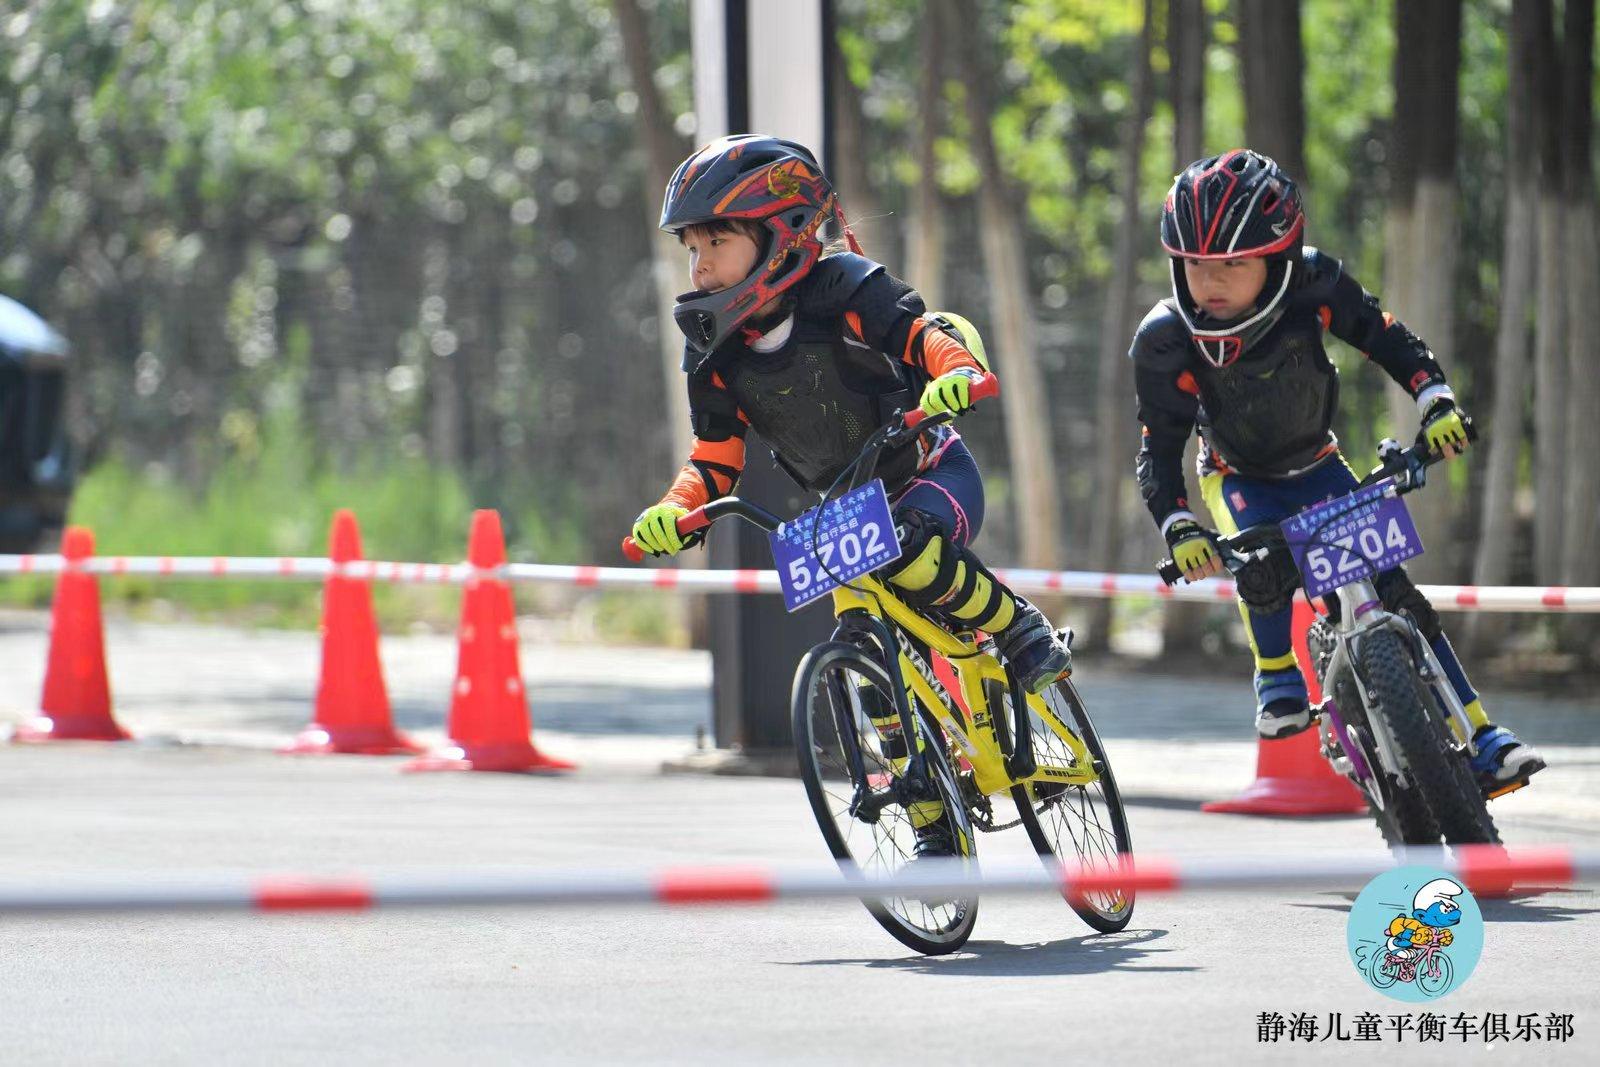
(1358, 761)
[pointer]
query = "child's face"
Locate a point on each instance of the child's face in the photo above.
(1225, 288)
(718, 260)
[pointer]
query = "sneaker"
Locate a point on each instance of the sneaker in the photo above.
(1503, 762)
(1283, 717)
(1036, 656)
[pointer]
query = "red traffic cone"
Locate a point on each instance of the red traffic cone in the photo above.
(352, 710)
(1292, 778)
(488, 728)
(76, 705)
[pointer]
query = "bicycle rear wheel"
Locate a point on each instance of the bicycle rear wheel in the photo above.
(850, 775)
(1077, 825)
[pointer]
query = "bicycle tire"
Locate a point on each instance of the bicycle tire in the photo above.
(1404, 819)
(930, 927)
(1407, 710)
(1089, 850)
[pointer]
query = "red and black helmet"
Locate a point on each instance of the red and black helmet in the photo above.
(763, 179)
(1239, 205)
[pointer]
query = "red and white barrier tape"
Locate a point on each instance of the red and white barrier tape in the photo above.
(1486, 870)
(1033, 582)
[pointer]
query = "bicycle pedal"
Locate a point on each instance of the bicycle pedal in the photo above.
(1503, 790)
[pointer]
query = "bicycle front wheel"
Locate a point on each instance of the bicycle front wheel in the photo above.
(852, 770)
(1077, 825)
(1423, 738)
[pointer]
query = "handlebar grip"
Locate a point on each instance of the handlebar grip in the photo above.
(982, 389)
(1170, 571)
(686, 525)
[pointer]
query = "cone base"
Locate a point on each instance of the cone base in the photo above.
(317, 740)
(1292, 796)
(513, 758)
(70, 728)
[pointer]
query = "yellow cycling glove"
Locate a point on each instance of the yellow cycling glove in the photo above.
(656, 529)
(1193, 549)
(1443, 429)
(950, 393)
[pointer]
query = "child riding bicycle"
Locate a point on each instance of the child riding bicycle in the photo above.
(1237, 354)
(815, 348)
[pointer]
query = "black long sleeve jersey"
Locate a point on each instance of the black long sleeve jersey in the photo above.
(1269, 413)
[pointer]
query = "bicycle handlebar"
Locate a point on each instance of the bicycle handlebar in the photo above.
(1405, 465)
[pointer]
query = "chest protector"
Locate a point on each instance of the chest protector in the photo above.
(1269, 412)
(815, 400)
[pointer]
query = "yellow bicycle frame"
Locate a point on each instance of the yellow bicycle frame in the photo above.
(976, 739)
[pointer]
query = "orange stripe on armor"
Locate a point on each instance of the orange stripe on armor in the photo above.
(1187, 383)
(854, 322)
(1325, 313)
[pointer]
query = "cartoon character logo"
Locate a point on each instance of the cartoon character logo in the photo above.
(1415, 934)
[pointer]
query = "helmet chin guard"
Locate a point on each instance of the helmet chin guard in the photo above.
(1223, 341)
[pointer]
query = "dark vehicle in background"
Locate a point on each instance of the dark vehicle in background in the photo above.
(35, 465)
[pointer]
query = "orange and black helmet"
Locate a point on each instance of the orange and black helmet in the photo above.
(763, 179)
(1239, 205)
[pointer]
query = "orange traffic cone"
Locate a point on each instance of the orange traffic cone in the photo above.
(1292, 778)
(76, 705)
(488, 728)
(352, 710)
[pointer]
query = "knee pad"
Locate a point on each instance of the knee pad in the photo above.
(934, 573)
(1399, 594)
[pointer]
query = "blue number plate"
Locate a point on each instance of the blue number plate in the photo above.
(1351, 537)
(853, 535)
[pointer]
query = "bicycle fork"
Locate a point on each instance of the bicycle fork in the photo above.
(896, 726)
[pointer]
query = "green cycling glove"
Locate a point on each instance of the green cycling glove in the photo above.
(656, 529)
(950, 393)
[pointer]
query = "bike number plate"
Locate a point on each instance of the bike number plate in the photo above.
(852, 536)
(1351, 537)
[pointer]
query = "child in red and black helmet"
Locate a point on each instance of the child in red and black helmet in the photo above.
(814, 352)
(1237, 353)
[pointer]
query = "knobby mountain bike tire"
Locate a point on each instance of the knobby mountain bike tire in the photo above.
(1404, 817)
(1422, 735)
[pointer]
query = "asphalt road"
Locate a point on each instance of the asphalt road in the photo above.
(814, 982)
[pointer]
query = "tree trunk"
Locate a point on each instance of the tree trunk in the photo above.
(664, 150)
(1004, 243)
(1581, 513)
(1186, 46)
(1505, 434)
(1114, 389)
(925, 234)
(1182, 621)
(1423, 238)
(1273, 64)
(1550, 357)
(1581, 540)
(848, 167)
